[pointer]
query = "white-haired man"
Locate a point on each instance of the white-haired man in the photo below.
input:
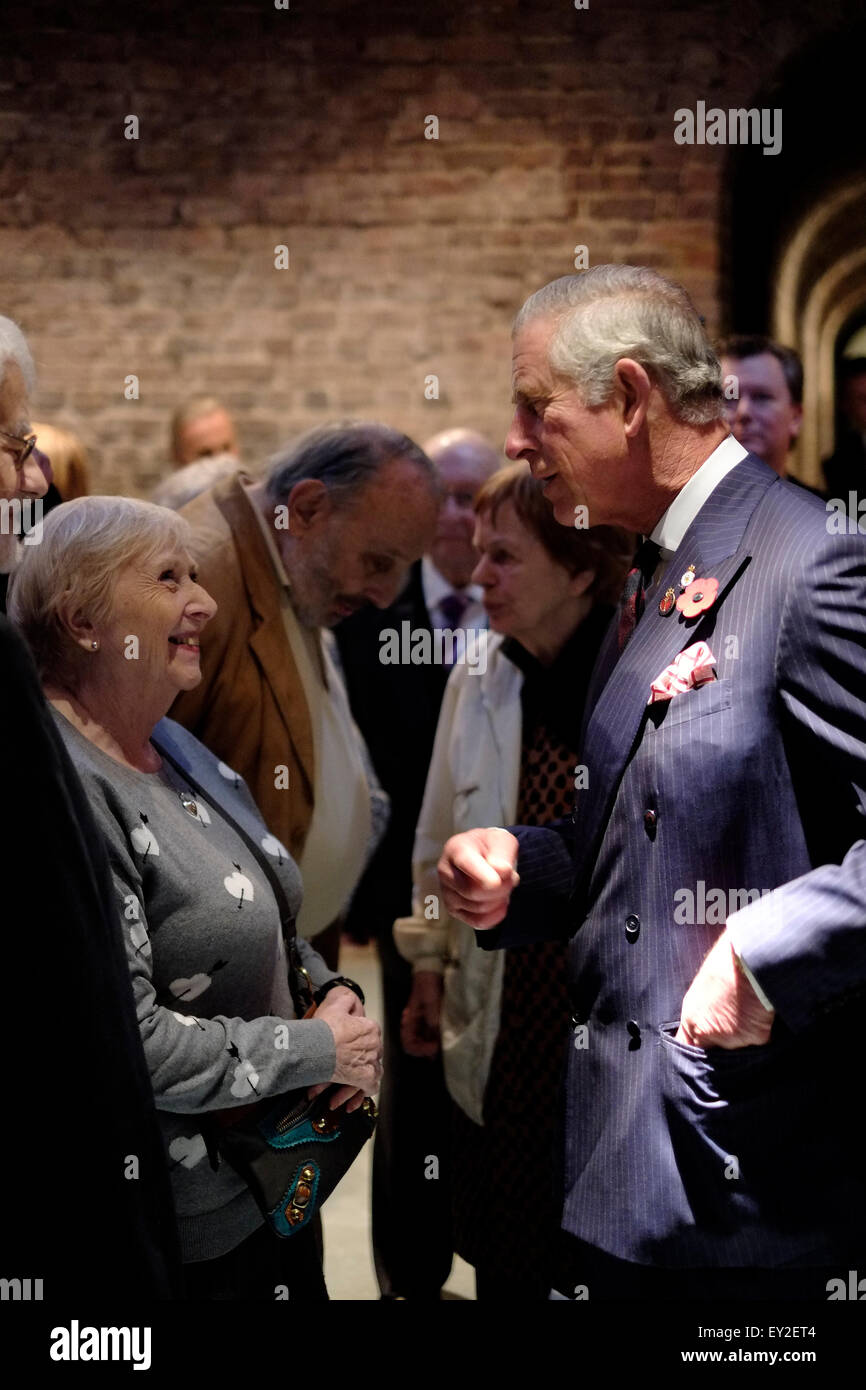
(713, 883)
(22, 481)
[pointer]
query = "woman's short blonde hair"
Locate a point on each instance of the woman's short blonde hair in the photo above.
(69, 463)
(85, 544)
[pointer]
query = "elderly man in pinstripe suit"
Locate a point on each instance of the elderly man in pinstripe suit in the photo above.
(713, 877)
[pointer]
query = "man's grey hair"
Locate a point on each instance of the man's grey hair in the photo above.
(345, 457)
(186, 483)
(13, 348)
(616, 311)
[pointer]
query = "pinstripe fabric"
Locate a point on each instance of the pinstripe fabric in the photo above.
(676, 1156)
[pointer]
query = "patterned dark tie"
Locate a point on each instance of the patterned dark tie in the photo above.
(452, 607)
(631, 604)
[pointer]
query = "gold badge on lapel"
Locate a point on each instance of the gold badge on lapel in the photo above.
(666, 602)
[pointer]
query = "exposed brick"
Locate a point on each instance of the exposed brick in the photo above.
(622, 209)
(407, 256)
(207, 212)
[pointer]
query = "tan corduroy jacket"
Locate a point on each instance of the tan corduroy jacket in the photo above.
(250, 708)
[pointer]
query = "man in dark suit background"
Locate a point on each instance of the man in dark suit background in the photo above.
(396, 708)
(763, 383)
(713, 883)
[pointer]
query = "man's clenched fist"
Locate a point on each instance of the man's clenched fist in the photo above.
(477, 873)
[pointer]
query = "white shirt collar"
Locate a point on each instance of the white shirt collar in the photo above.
(436, 586)
(673, 524)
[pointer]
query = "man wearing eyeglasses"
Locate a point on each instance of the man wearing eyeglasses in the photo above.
(23, 481)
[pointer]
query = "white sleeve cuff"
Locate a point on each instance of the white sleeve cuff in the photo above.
(752, 981)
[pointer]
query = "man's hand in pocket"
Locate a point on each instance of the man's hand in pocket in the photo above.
(720, 1008)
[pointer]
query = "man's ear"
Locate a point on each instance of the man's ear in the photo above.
(634, 386)
(580, 582)
(309, 505)
(796, 421)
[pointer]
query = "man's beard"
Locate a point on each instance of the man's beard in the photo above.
(310, 612)
(314, 596)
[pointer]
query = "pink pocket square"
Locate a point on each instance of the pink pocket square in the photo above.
(692, 668)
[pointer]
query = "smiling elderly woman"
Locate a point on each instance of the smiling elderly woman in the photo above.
(111, 608)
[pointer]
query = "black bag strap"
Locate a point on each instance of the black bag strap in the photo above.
(301, 988)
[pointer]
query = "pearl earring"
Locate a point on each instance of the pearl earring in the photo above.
(94, 646)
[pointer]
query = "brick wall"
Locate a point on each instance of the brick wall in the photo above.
(305, 127)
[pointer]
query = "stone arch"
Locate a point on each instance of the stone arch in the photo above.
(797, 262)
(820, 285)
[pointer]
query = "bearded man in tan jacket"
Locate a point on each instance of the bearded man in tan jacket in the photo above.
(333, 526)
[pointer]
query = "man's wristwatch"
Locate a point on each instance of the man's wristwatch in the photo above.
(332, 984)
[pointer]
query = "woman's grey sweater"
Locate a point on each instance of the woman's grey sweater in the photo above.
(202, 932)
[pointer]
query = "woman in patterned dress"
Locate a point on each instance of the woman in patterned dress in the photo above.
(507, 752)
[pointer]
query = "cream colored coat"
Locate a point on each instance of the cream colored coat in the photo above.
(473, 781)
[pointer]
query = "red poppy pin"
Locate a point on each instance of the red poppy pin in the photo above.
(698, 597)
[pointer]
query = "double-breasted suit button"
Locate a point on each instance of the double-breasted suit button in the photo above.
(632, 927)
(650, 820)
(633, 1030)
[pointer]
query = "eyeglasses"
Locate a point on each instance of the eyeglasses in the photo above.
(21, 448)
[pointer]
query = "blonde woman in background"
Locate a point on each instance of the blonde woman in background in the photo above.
(69, 462)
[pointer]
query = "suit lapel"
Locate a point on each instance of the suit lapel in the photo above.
(714, 543)
(608, 653)
(269, 641)
(411, 605)
(412, 608)
(273, 653)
